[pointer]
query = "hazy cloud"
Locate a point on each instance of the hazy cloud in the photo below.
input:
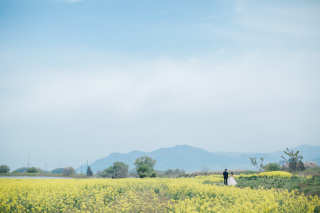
(288, 19)
(165, 84)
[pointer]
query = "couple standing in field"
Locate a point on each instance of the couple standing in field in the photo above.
(229, 180)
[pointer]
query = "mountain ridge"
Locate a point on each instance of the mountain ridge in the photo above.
(192, 159)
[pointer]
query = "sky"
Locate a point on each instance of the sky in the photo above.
(80, 79)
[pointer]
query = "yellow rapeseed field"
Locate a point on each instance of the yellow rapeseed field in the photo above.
(274, 174)
(145, 195)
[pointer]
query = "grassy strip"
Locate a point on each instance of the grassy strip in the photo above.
(307, 186)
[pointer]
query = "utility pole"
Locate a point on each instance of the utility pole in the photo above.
(46, 169)
(28, 161)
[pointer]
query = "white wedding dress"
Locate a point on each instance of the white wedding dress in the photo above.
(231, 181)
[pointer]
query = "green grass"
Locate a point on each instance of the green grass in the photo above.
(306, 186)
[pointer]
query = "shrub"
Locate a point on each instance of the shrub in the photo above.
(272, 167)
(32, 170)
(153, 175)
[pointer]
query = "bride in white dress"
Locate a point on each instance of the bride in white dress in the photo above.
(231, 180)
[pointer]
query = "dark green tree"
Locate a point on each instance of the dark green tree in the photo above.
(89, 171)
(4, 169)
(144, 171)
(118, 170)
(293, 159)
(145, 160)
(145, 166)
(293, 162)
(153, 175)
(300, 166)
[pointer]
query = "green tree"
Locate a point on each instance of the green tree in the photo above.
(144, 171)
(89, 171)
(68, 171)
(293, 162)
(293, 159)
(300, 166)
(32, 170)
(145, 160)
(272, 167)
(4, 169)
(118, 170)
(108, 172)
(145, 166)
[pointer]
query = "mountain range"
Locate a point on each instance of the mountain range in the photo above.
(193, 159)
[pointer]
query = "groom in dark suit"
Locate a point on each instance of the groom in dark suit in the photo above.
(225, 177)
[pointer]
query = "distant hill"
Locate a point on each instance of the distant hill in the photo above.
(20, 170)
(195, 159)
(57, 171)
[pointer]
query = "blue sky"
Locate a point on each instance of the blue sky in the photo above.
(82, 79)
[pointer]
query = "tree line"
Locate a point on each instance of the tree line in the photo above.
(67, 171)
(292, 161)
(144, 168)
